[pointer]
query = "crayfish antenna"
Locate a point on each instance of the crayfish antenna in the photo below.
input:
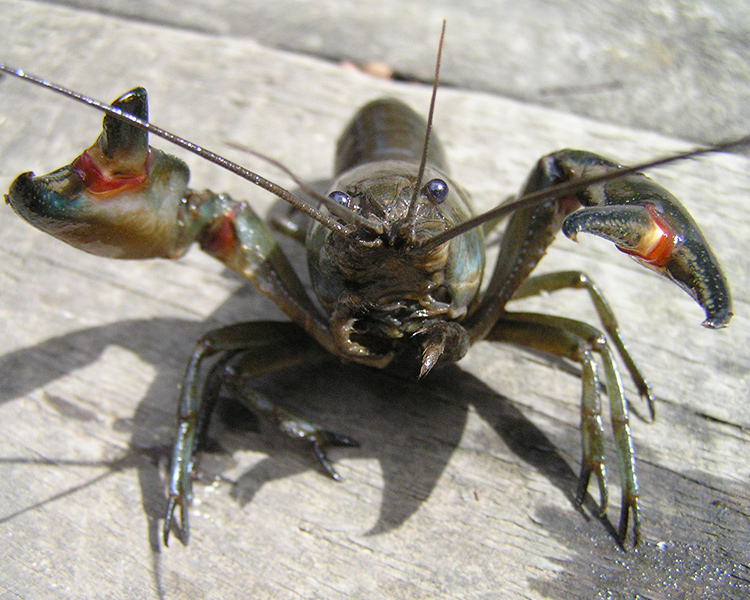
(574, 186)
(204, 153)
(423, 161)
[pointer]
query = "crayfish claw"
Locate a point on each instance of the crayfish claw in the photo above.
(119, 198)
(645, 221)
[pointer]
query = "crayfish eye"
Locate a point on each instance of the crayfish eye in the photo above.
(436, 190)
(340, 198)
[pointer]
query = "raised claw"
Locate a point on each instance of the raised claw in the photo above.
(119, 198)
(647, 222)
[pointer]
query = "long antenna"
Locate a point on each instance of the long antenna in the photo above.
(428, 129)
(572, 187)
(208, 155)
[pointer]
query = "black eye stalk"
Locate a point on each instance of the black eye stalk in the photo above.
(341, 198)
(436, 190)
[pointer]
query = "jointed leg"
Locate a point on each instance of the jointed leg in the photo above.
(578, 341)
(551, 282)
(252, 349)
(237, 373)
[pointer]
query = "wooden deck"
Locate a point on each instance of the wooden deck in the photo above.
(463, 484)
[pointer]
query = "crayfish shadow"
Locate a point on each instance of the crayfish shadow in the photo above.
(412, 428)
(163, 343)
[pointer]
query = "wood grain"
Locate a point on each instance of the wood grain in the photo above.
(463, 485)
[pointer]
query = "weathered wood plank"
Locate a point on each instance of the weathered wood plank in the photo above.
(462, 486)
(679, 68)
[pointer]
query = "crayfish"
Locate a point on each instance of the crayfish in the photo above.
(396, 258)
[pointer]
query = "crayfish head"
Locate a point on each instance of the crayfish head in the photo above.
(381, 285)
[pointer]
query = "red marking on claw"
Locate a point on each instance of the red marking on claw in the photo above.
(221, 239)
(657, 246)
(98, 183)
